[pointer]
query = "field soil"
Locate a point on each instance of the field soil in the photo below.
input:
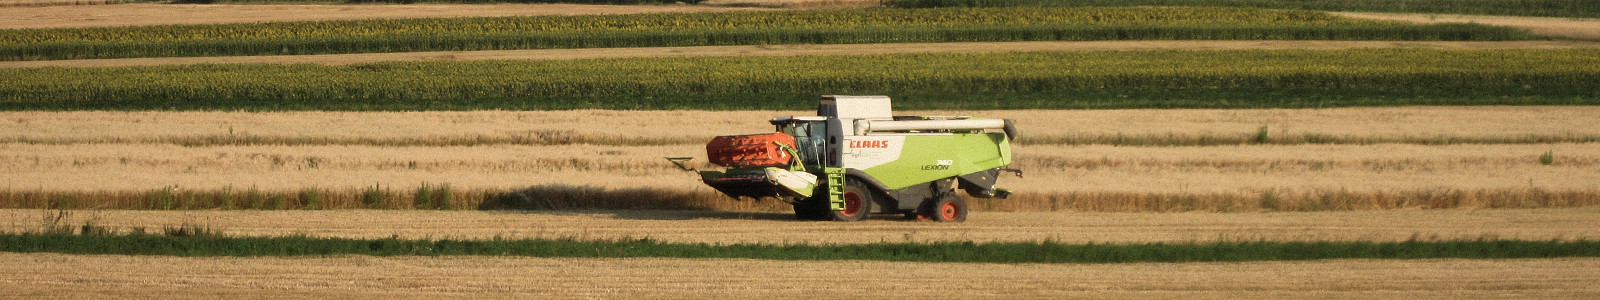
(115, 276)
(795, 50)
(35, 3)
(781, 228)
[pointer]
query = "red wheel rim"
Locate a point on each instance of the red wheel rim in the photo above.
(949, 211)
(852, 204)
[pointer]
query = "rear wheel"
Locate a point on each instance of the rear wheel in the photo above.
(950, 208)
(857, 202)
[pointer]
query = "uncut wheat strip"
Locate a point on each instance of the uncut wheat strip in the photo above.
(143, 167)
(443, 196)
(420, 196)
(1352, 167)
(514, 277)
(1290, 198)
(781, 228)
(154, 126)
(614, 160)
(11, 4)
(1050, 168)
(1578, 28)
(1036, 159)
(1376, 122)
(1378, 158)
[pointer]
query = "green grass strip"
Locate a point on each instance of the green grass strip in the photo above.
(1034, 80)
(967, 252)
(1546, 8)
(729, 28)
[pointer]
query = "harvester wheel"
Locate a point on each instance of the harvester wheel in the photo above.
(857, 202)
(814, 208)
(949, 208)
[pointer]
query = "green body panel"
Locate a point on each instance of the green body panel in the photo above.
(927, 158)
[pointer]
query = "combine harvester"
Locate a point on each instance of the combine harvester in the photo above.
(855, 158)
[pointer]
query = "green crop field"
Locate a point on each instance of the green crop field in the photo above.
(1548, 8)
(731, 28)
(1033, 80)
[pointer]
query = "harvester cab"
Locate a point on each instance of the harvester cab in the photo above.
(855, 158)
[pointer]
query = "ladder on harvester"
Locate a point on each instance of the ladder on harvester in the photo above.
(835, 188)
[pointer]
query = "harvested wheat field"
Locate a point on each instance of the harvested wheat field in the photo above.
(1576, 28)
(75, 276)
(781, 228)
(1106, 160)
(1250, 170)
(1364, 124)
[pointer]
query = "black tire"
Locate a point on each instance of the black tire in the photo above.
(812, 209)
(950, 208)
(913, 215)
(857, 202)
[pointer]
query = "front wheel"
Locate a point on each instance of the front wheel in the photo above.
(811, 209)
(950, 208)
(857, 202)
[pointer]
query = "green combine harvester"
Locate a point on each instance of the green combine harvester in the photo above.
(855, 158)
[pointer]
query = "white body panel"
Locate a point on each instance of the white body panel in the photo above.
(801, 183)
(855, 107)
(865, 152)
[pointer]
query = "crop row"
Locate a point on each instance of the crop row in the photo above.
(568, 138)
(730, 28)
(197, 241)
(1249, 78)
(565, 197)
(948, 17)
(1548, 8)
